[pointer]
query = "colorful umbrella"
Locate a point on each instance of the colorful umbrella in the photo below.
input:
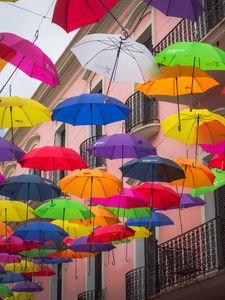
(2, 177)
(215, 149)
(121, 145)
(21, 266)
(67, 253)
(51, 158)
(8, 151)
(155, 220)
(82, 245)
(73, 229)
(27, 286)
(187, 9)
(42, 271)
(14, 244)
(152, 168)
(140, 232)
(29, 187)
(35, 253)
(5, 291)
(2, 270)
(107, 234)
(11, 278)
(217, 162)
(4, 228)
(9, 258)
(27, 57)
(131, 212)
(20, 296)
(52, 261)
(15, 211)
(71, 15)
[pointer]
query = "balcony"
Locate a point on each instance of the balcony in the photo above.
(144, 116)
(92, 295)
(92, 161)
(185, 266)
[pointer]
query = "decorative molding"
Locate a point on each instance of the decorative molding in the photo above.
(9, 169)
(32, 142)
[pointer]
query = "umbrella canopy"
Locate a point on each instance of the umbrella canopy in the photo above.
(35, 253)
(42, 272)
(202, 55)
(67, 253)
(27, 286)
(187, 201)
(21, 266)
(152, 168)
(215, 149)
(197, 174)
(11, 278)
(158, 196)
(91, 184)
(20, 296)
(52, 261)
(15, 211)
(29, 58)
(2, 270)
(131, 212)
(217, 162)
(63, 209)
(73, 229)
(9, 258)
(107, 234)
(187, 9)
(117, 58)
(155, 220)
(50, 158)
(29, 187)
(71, 15)
(2, 177)
(90, 109)
(121, 145)
(14, 244)
(40, 231)
(140, 232)
(5, 291)
(9, 151)
(4, 229)
(82, 245)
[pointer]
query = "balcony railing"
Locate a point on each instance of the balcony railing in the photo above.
(91, 160)
(191, 255)
(186, 30)
(91, 295)
(144, 110)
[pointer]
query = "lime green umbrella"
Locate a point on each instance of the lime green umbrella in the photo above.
(198, 54)
(37, 253)
(123, 241)
(63, 209)
(5, 291)
(218, 182)
(131, 212)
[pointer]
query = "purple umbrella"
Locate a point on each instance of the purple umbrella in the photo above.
(81, 245)
(127, 199)
(9, 258)
(7, 149)
(121, 146)
(187, 9)
(27, 286)
(2, 270)
(215, 149)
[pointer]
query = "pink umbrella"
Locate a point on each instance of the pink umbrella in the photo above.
(14, 244)
(223, 91)
(215, 149)
(9, 258)
(27, 57)
(2, 177)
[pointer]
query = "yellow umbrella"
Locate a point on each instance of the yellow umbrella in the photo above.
(20, 296)
(22, 266)
(15, 211)
(73, 229)
(140, 232)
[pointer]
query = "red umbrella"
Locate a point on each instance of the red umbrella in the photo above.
(73, 14)
(43, 271)
(218, 162)
(51, 158)
(14, 244)
(110, 233)
(159, 196)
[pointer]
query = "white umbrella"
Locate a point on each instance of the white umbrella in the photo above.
(116, 57)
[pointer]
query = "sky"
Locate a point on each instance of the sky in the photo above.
(52, 39)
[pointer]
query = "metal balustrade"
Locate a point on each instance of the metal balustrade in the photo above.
(92, 295)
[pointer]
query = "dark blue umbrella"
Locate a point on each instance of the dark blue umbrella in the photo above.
(152, 168)
(53, 261)
(90, 109)
(40, 231)
(29, 187)
(82, 245)
(11, 277)
(156, 219)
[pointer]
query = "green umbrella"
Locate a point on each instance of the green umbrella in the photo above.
(197, 54)
(131, 212)
(218, 182)
(63, 209)
(121, 242)
(5, 291)
(37, 253)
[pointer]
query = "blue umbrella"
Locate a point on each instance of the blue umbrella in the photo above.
(12, 277)
(152, 168)
(90, 109)
(156, 219)
(40, 231)
(52, 261)
(29, 187)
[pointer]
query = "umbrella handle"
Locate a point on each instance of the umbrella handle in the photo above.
(89, 266)
(113, 258)
(127, 259)
(76, 274)
(107, 264)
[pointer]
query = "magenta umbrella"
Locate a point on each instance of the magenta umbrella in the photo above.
(215, 149)
(9, 258)
(27, 57)
(127, 199)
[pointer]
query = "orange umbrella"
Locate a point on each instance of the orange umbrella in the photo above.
(197, 175)
(4, 229)
(67, 253)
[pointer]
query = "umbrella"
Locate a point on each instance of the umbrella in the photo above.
(127, 199)
(197, 54)
(217, 162)
(40, 231)
(121, 146)
(197, 174)
(27, 57)
(187, 201)
(27, 286)
(156, 219)
(5, 229)
(140, 232)
(131, 212)
(14, 244)
(35, 253)
(2, 270)
(152, 168)
(21, 266)
(8, 151)
(11, 278)
(20, 296)
(158, 196)
(73, 229)
(71, 15)
(187, 9)
(50, 158)
(9, 258)
(29, 187)
(91, 184)
(215, 149)
(5, 291)
(42, 271)
(52, 261)
(15, 211)
(110, 233)
(82, 245)
(2, 177)
(67, 253)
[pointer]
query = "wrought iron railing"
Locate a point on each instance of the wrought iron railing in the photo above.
(144, 110)
(92, 295)
(191, 255)
(185, 30)
(91, 160)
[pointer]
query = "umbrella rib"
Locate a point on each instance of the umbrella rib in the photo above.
(208, 129)
(91, 9)
(102, 114)
(102, 186)
(142, 75)
(87, 178)
(3, 115)
(26, 115)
